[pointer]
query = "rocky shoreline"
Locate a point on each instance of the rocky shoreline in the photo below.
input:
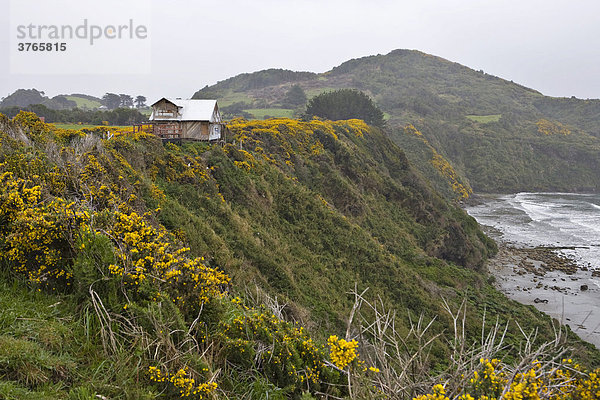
(553, 283)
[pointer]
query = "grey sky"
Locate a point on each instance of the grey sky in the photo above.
(548, 45)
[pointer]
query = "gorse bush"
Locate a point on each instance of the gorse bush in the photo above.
(142, 248)
(458, 186)
(495, 380)
(43, 236)
(77, 226)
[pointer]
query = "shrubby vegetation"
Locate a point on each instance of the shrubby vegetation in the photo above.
(345, 104)
(236, 109)
(133, 269)
(294, 97)
(119, 116)
(485, 127)
(460, 189)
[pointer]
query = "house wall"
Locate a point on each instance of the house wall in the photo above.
(168, 130)
(196, 130)
(164, 109)
(215, 132)
(192, 130)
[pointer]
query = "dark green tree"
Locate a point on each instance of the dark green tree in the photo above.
(60, 103)
(111, 100)
(126, 100)
(345, 104)
(140, 101)
(23, 98)
(294, 97)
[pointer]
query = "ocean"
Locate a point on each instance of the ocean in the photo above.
(568, 222)
(563, 220)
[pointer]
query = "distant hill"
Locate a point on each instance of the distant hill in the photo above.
(27, 97)
(497, 135)
(85, 101)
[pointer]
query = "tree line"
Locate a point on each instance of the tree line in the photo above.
(118, 116)
(113, 100)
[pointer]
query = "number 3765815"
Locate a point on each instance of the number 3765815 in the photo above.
(28, 46)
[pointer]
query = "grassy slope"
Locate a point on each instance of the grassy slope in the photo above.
(261, 113)
(485, 126)
(84, 103)
(484, 119)
(308, 211)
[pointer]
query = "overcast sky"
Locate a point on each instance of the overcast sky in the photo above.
(551, 46)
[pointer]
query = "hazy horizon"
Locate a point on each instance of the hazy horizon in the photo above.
(542, 45)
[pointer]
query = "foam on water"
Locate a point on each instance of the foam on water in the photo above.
(547, 219)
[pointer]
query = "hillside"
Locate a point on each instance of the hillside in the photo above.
(26, 97)
(248, 255)
(492, 131)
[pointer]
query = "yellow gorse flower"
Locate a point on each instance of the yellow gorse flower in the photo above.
(494, 381)
(183, 382)
(342, 352)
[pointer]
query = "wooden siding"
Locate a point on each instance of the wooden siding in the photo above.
(196, 130)
(170, 130)
(165, 109)
(172, 127)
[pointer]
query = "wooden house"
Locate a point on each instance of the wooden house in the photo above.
(186, 119)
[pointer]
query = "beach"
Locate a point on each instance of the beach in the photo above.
(552, 283)
(549, 253)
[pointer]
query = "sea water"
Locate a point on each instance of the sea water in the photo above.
(571, 224)
(567, 221)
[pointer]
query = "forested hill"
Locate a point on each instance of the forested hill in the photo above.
(136, 269)
(498, 135)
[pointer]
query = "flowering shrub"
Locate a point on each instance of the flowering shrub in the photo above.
(42, 228)
(342, 352)
(547, 128)
(497, 381)
(182, 382)
(287, 137)
(287, 354)
(33, 126)
(439, 393)
(145, 253)
(37, 240)
(442, 165)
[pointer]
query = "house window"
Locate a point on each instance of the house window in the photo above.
(165, 113)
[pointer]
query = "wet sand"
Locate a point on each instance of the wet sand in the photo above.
(553, 284)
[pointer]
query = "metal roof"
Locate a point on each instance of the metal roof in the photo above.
(191, 110)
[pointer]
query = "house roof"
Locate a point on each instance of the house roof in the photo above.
(191, 110)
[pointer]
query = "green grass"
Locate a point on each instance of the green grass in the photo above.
(316, 91)
(484, 119)
(50, 349)
(37, 337)
(308, 231)
(260, 113)
(84, 103)
(234, 97)
(146, 111)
